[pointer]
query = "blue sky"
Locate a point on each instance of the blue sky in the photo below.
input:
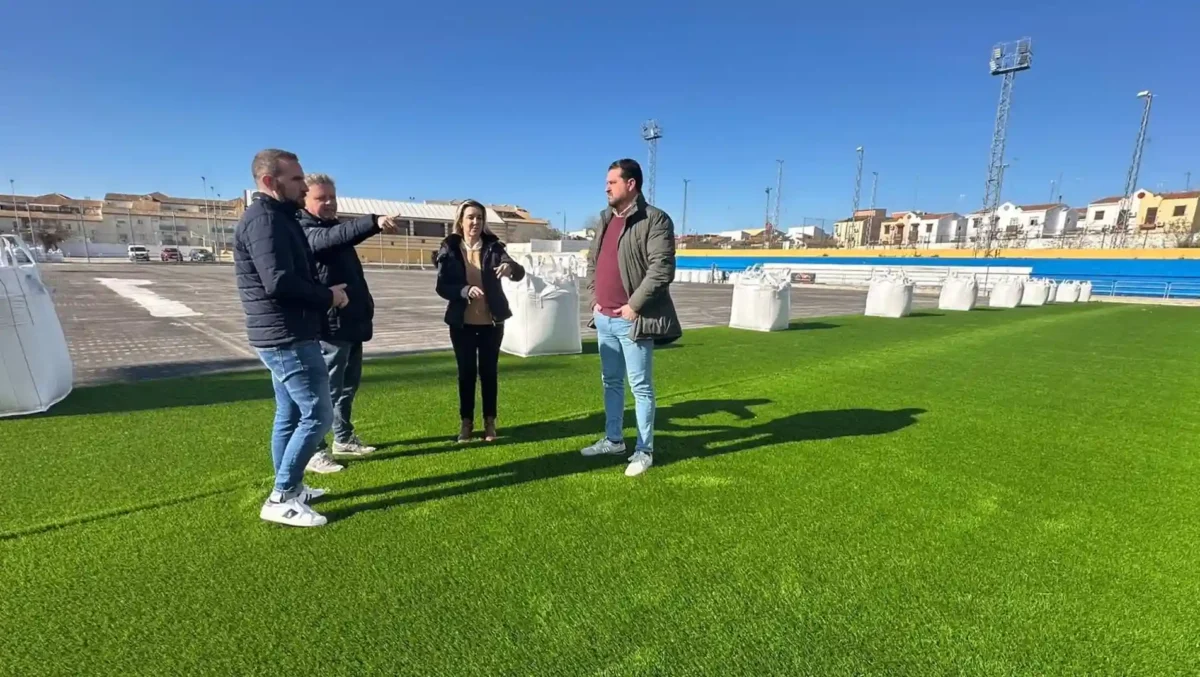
(527, 102)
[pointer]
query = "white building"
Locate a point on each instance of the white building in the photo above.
(805, 232)
(735, 235)
(1044, 220)
(938, 228)
(1102, 214)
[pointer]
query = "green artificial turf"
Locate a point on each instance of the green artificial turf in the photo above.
(999, 492)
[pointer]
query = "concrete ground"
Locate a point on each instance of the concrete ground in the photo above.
(114, 338)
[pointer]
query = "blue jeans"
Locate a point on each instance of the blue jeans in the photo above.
(303, 410)
(621, 356)
(344, 362)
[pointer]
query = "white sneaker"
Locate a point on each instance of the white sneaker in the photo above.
(639, 463)
(354, 447)
(323, 464)
(293, 513)
(605, 447)
(307, 493)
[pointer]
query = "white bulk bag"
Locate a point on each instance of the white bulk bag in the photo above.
(1006, 294)
(889, 297)
(1085, 292)
(1068, 292)
(35, 365)
(545, 311)
(1052, 297)
(762, 301)
(678, 275)
(704, 276)
(959, 292)
(1036, 293)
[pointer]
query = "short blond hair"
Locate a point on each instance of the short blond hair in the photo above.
(461, 212)
(311, 180)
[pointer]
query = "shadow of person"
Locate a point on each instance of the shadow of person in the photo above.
(590, 424)
(703, 441)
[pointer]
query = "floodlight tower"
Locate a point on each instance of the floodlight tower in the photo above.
(857, 195)
(1008, 59)
(651, 133)
(1135, 166)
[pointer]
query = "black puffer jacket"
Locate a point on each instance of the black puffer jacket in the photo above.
(277, 277)
(452, 277)
(333, 245)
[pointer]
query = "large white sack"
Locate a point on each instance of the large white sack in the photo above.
(1035, 293)
(761, 301)
(34, 360)
(545, 312)
(959, 293)
(1006, 294)
(1068, 292)
(889, 297)
(1052, 297)
(1085, 292)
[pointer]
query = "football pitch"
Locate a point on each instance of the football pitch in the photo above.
(993, 493)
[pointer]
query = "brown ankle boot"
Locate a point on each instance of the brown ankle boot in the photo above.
(489, 429)
(466, 430)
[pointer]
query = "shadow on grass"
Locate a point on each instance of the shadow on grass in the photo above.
(926, 314)
(702, 441)
(807, 326)
(254, 384)
(593, 348)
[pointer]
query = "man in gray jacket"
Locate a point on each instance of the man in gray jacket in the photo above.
(633, 258)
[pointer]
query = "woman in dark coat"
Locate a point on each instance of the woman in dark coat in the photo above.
(470, 263)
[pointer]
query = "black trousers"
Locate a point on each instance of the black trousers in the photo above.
(477, 350)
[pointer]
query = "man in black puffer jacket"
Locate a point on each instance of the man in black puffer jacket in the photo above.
(285, 308)
(347, 328)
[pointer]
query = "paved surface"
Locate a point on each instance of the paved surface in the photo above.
(114, 338)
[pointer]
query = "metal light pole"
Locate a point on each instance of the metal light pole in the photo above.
(220, 226)
(857, 195)
(767, 222)
(87, 251)
(874, 188)
(685, 187)
(132, 235)
(207, 222)
(12, 186)
(778, 195)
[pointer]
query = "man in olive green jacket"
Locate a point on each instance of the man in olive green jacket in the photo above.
(633, 259)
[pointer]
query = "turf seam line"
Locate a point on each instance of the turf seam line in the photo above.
(119, 512)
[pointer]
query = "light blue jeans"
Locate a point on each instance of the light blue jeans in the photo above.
(303, 409)
(621, 357)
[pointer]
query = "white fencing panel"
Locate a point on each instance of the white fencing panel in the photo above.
(889, 297)
(1007, 293)
(959, 292)
(545, 308)
(762, 301)
(34, 359)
